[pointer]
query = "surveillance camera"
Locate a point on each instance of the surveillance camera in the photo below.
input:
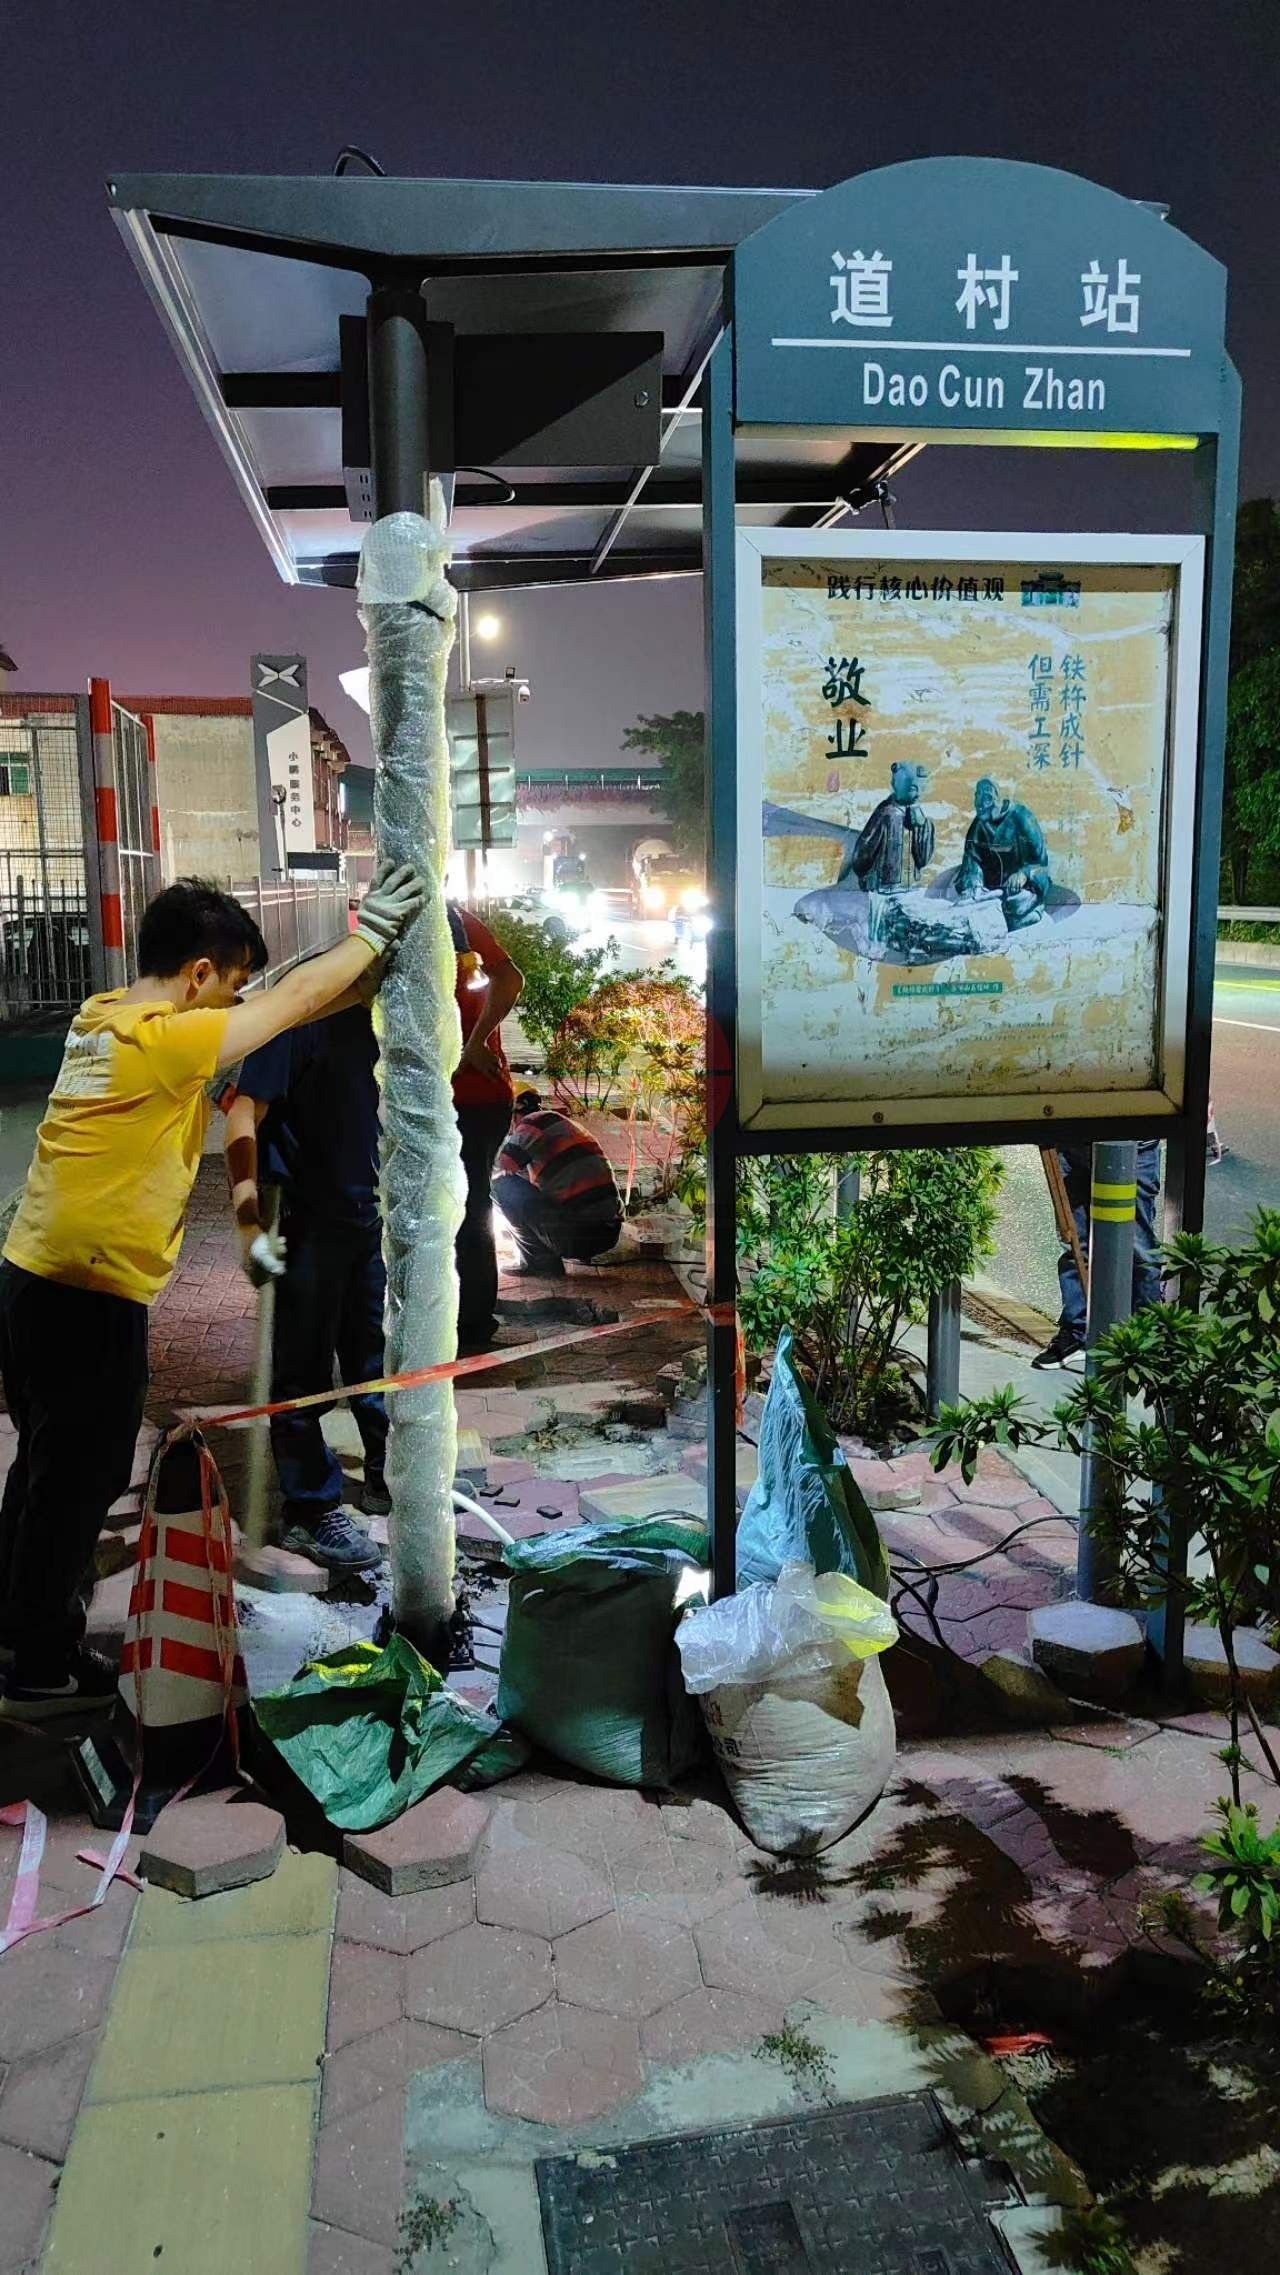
(523, 692)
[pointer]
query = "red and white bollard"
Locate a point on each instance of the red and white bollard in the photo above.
(106, 806)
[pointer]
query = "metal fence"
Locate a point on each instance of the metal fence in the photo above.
(139, 854)
(47, 959)
(296, 918)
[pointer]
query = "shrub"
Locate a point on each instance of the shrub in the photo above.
(637, 1042)
(557, 977)
(849, 1289)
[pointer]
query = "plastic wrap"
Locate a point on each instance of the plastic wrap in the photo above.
(407, 609)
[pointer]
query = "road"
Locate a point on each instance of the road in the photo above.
(1246, 1090)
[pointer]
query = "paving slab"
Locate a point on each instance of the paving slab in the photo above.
(673, 1491)
(1089, 1650)
(185, 2020)
(212, 1842)
(562, 2065)
(204, 2183)
(427, 1847)
(298, 1899)
(479, 1979)
(27, 2188)
(1209, 1675)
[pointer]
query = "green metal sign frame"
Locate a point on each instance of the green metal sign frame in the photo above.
(959, 301)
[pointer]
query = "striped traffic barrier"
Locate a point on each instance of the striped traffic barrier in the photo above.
(182, 1679)
(106, 805)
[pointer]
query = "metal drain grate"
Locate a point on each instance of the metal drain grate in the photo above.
(879, 2188)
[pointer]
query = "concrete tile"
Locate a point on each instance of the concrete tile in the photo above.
(670, 1491)
(40, 2097)
(1115, 1735)
(765, 1945)
(430, 1845)
(47, 1995)
(359, 2171)
(27, 2185)
(540, 1891)
(204, 2183)
(386, 2061)
(212, 1842)
(597, 1823)
(629, 1966)
(562, 2066)
(708, 2022)
(479, 1979)
(333, 2252)
(402, 1923)
(298, 1899)
(366, 1992)
(190, 2020)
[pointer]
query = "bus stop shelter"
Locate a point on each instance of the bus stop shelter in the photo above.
(615, 382)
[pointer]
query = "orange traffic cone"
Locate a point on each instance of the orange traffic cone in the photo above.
(182, 1681)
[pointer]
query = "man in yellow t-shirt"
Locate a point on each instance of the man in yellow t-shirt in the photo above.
(97, 1235)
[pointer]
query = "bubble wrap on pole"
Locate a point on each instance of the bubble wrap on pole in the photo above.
(407, 610)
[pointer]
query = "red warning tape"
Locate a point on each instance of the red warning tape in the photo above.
(448, 1369)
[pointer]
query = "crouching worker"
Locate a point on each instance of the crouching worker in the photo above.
(556, 1190)
(97, 1236)
(304, 1119)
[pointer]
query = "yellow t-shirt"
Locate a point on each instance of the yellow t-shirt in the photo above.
(118, 1150)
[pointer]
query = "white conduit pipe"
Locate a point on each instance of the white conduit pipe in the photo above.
(463, 1500)
(407, 609)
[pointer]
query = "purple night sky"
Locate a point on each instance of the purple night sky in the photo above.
(128, 552)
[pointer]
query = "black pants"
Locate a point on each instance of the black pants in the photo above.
(482, 1130)
(546, 1234)
(74, 1364)
(329, 1305)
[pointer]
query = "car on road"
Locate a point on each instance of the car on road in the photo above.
(613, 904)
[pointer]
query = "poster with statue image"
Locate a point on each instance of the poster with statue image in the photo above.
(965, 801)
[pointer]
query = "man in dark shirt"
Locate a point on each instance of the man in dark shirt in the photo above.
(556, 1190)
(311, 1100)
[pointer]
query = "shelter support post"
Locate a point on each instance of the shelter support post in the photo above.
(942, 1375)
(718, 573)
(1112, 1207)
(848, 1192)
(407, 608)
(1218, 471)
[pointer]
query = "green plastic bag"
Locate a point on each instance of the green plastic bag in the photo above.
(805, 1506)
(589, 1666)
(370, 1731)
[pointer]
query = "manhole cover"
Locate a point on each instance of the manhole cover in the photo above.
(877, 2189)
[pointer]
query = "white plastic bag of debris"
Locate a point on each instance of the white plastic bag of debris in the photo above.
(794, 1698)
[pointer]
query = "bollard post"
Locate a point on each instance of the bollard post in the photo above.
(1112, 1205)
(942, 1366)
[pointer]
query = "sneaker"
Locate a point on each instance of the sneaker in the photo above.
(89, 1683)
(1058, 1355)
(374, 1497)
(335, 1541)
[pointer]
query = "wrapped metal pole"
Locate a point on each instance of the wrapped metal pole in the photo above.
(407, 609)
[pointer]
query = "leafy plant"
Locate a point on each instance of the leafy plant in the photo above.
(1243, 1872)
(807, 2064)
(678, 738)
(637, 1041)
(850, 1288)
(557, 977)
(1182, 1412)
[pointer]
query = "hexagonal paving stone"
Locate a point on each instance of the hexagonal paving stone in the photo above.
(366, 1992)
(539, 1890)
(562, 2065)
(385, 2061)
(402, 1923)
(632, 1966)
(430, 1845)
(707, 2022)
(47, 1995)
(754, 1947)
(479, 1979)
(212, 1842)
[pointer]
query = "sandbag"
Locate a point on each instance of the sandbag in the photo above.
(795, 1702)
(589, 1667)
(370, 1731)
(805, 1506)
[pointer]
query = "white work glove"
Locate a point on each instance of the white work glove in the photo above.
(391, 903)
(263, 1258)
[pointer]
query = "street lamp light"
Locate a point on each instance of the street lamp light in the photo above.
(488, 626)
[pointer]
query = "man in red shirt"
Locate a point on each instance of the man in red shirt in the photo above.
(489, 985)
(556, 1190)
